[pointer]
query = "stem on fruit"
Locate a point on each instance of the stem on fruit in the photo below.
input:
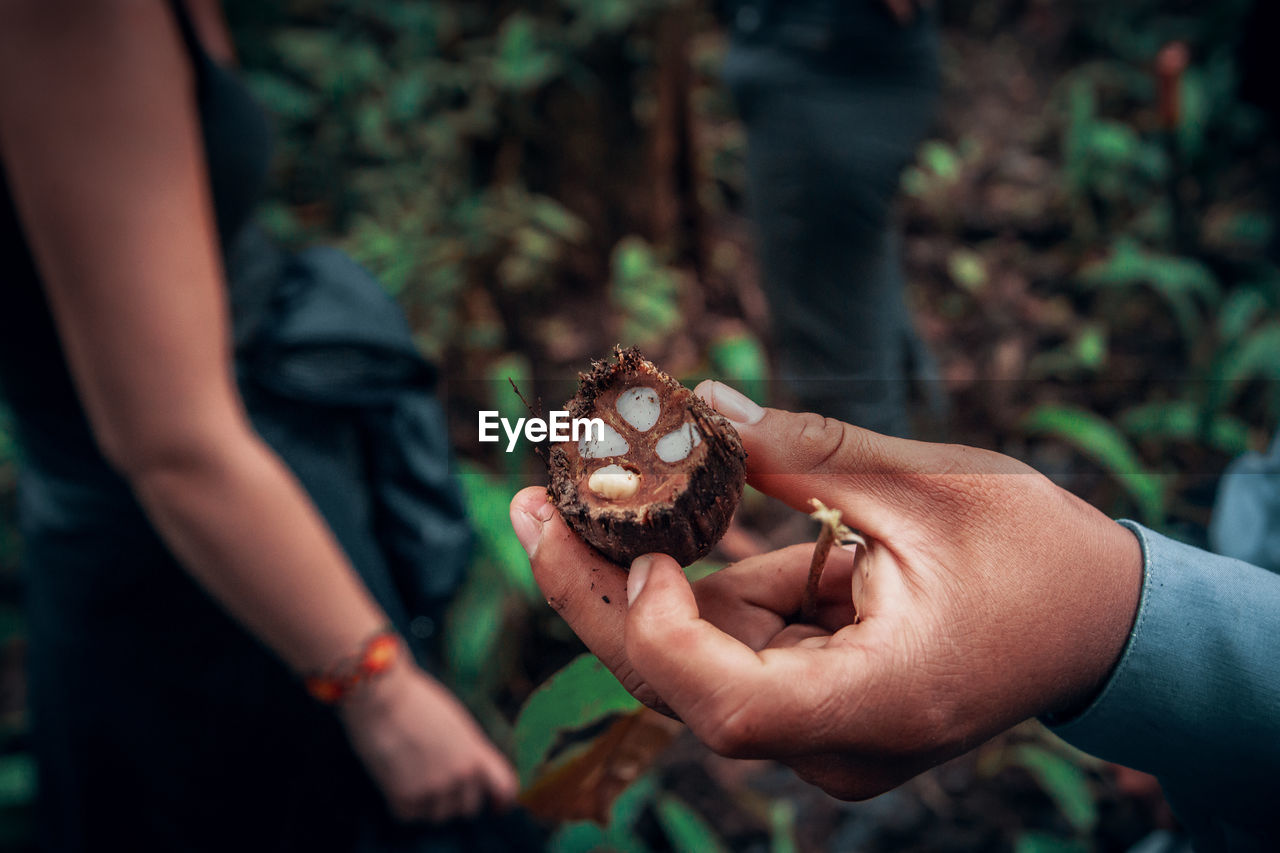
(833, 530)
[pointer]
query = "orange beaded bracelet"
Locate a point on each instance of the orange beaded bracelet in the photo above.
(377, 656)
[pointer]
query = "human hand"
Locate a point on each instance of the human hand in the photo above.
(989, 596)
(424, 750)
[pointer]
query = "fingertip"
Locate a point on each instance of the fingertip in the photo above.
(530, 510)
(637, 576)
(660, 596)
(534, 501)
(730, 402)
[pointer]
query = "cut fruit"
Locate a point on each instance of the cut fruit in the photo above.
(665, 477)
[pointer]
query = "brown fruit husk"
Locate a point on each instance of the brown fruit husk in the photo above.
(682, 508)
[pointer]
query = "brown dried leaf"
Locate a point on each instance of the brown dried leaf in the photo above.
(584, 788)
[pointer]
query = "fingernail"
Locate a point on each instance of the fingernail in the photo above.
(734, 405)
(528, 525)
(637, 576)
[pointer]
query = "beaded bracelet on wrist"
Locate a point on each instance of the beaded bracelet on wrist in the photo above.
(378, 654)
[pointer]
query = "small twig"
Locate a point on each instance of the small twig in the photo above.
(537, 413)
(532, 411)
(833, 530)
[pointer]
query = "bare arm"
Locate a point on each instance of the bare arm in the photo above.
(104, 157)
(100, 139)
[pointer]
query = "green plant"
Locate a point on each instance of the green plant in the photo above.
(1102, 442)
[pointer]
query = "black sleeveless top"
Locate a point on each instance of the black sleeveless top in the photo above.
(34, 380)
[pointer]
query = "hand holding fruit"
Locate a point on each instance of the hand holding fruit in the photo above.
(988, 596)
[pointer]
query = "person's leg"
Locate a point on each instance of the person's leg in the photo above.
(834, 98)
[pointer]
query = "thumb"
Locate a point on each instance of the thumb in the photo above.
(798, 456)
(667, 642)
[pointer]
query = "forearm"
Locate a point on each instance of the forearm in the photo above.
(243, 527)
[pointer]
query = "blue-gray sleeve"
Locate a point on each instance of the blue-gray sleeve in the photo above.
(1195, 697)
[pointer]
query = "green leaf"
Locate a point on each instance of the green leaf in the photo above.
(1183, 283)
(967, 269)
(1100, 441)
(741, 361)
(408, 95)
(17, 780)
(645, 292)
(557, 219)
(1193, 114)
(473, 628)
(488, 501)
(1181, 420)
(581, 836)
(782, 827)
(1239, 312)
(1257, 356)
(581, 693)
(1112, 142)
(631, 802)
(941, 159)
(522, 64)
(311, 51)
(283, 97)
(687, 831)
(1090, 347)
(1066, 784)
(1040, 842)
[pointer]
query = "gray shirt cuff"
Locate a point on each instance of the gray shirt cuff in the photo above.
(1195, 696)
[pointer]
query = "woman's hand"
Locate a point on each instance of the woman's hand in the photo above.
(424, 750)
(988, 596)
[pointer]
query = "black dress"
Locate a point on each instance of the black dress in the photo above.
(158, 723)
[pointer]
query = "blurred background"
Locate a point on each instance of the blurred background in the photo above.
(1088, 240)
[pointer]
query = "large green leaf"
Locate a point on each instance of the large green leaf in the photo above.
(1099, 440)
(581, 693)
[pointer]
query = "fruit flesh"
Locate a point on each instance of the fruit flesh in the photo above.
(685, 458)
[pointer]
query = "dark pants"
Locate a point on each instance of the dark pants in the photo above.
(835, 95)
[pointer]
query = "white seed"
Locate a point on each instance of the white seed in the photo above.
(639, 407)
(613, 482)
(608, 444)
(678, 444)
